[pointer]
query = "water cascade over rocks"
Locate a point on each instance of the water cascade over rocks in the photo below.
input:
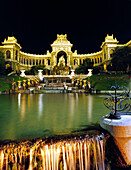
(81, 152)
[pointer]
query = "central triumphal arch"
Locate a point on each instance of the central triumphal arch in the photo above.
(61, 55)
(61, 47)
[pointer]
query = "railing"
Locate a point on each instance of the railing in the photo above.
(118, 103)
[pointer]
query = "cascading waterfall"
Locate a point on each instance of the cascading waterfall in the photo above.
(82, 153)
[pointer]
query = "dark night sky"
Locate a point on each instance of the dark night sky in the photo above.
(35, 24)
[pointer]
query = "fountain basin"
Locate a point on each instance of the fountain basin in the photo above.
(121, 131)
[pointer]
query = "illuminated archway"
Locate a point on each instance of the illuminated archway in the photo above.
(16, 55)
(7, 65)
(111, 52)
(60, 54)
(8, 54)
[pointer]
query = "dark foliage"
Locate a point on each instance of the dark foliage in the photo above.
(96, 70)
(34, 70)
(2, 64)
(83, 68)
(121, 59)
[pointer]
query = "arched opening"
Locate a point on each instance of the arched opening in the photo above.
(93, 61)
(43, 61)
(111, 52)
(20, 59)
(105, 56)
(98, 60)
(16, 55)
(48, 62)
(61, 58)
(7, 66)
(80, 61)
(28, 61)
(75, 62)
(33, 61)
(8, 54)
(24, 61)
(16, 68)
(36, 62)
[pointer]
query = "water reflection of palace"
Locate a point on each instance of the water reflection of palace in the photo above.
(60, 59)
(36, 110)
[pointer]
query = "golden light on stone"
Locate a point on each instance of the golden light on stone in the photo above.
(85, 83)
(61, 54)
(28, 82)
(19, 84)
(81, 82)
(24, 84)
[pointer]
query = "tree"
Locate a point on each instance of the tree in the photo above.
(83, 68)
(96, 69)
(8, 70)
(34, 70)
(2, 64)
(121, 59)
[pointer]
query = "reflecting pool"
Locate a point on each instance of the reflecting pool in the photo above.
(33, 115)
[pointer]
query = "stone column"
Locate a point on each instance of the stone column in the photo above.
(78, 61)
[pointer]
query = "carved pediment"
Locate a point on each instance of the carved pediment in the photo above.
(61, 41)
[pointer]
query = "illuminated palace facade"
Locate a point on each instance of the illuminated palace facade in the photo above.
(61, 58)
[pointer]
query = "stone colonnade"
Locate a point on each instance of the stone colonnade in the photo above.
(40, 61)
(96, 60)
(33, 61)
